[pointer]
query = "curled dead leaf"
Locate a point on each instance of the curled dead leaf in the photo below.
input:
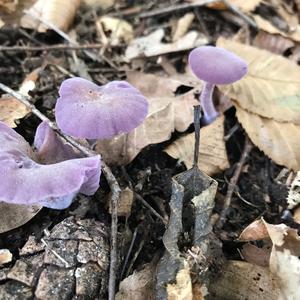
(212, 155)
(254, 231)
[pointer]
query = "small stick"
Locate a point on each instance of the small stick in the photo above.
(233, 182)
(112, 181)
(197, 116)
(51, 48)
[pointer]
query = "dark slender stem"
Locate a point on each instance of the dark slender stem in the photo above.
(51, 48)
(112, 181)
(197, 116)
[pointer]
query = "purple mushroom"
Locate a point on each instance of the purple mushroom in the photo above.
(24, 180)
(215, 65)
(86, 110)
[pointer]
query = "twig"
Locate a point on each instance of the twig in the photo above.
(51, 48)
(233, 182)
(236, 11)
(172, 8)
(114, 186)
(197, 116)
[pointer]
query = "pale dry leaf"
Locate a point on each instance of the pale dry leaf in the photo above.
(245, 6)
(167, 113)
(152, 45)
(293, 198)
(240, 280)
(278, 140)
(284, 260)
(104, 4)
(183, 26)
(124, 203)
(272, 42)
(254, 231)
(13, 215)
(59, 13)
(5, 256)
(182, 289)
(267, 26)
(119, 29)
(139, 285)
(212, 153)
(272, 86)
(2, 23)
(8, 6)
(297, 215)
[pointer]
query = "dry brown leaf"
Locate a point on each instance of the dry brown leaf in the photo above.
(272, 42)
(167, 113)
(272, 86)
(8, 5)
(5, 256)
(183, 26)
(241, 280)
(139, 285)
(152, 45)
(267, 26)
(255, 255)
(120, 30)
(13, 215)
(212, 155)
(245, 6)
(278, 140)
(182, 289)
(284, 261)
(124, 203)
(254, 231)
(59, 13)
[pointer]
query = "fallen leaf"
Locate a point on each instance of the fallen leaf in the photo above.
(167, 113)
(182, 288)
(183, 26)
(152, 45)
(267, 26)
(9, 6)
(212, 155)
(125, 202)
(59, 13)
(257, 255)
(120, 30)
(254, 231)
(240, 280)
(5, 256)
(293, 198)
(13, 215)
(278, 140)
(272, 42)
(139, 285)
(245, 6)
(272, 86)
(297, 215)
(104, 4)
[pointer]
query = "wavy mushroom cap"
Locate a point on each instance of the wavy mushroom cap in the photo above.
(86, 110)
(217, 65)
(24, 181)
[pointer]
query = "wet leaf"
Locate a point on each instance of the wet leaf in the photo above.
(167, 113)
(13, 216)
(59, 13)
(212, 155)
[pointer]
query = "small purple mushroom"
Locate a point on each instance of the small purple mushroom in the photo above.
(25, 181)
(215, 65)
(86, 110)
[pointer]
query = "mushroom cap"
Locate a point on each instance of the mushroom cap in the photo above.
(24, 181)
(86, 110)
(217, 65)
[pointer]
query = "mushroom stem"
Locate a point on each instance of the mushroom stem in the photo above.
(209, 111)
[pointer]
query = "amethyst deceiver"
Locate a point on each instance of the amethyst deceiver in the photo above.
(215, 65)
(86, 110)
(25, 181)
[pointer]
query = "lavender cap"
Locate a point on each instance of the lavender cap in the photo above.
(24, 181)
(86, 110)
(217, 65)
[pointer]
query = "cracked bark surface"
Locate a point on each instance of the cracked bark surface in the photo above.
(70, 263)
